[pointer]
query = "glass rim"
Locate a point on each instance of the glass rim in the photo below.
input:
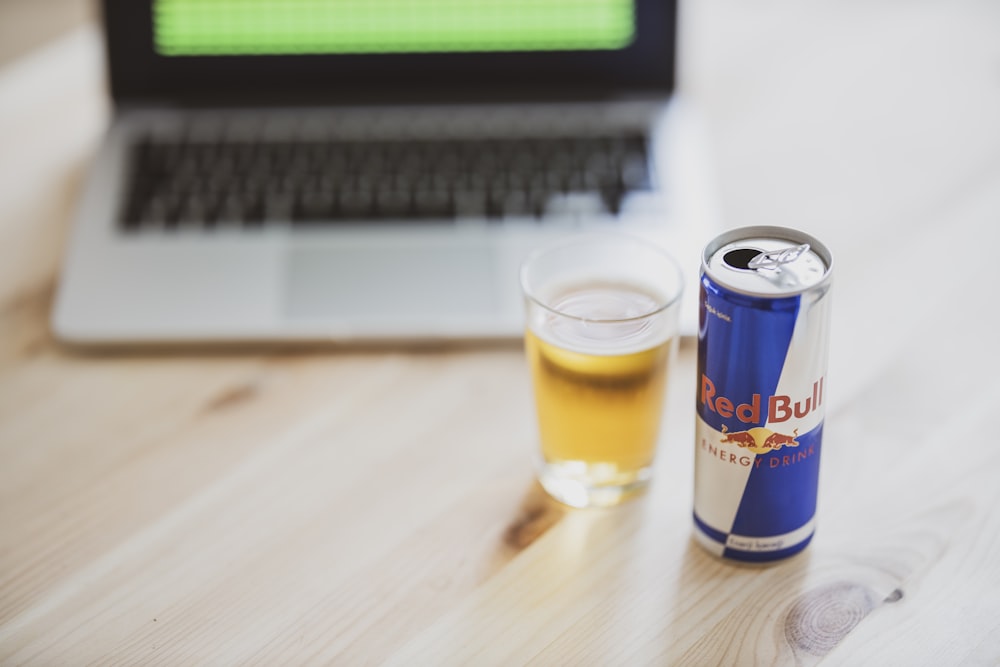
(591, 237)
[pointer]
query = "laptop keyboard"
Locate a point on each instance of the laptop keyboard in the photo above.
(206, 183)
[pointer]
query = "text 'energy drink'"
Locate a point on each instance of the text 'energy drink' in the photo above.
(763, 336)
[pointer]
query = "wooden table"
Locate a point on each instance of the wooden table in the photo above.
(378, 506)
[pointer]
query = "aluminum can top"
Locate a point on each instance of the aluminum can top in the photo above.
(767, 261)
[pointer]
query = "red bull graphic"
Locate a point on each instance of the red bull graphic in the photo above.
(779, 440)
(741, 438)
(759, 440)
(762, 349)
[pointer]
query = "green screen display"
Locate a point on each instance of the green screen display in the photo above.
(288, 27)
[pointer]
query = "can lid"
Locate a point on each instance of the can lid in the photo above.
(767, 261)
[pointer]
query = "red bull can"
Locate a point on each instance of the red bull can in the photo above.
(764, 325)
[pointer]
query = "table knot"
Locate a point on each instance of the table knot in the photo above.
(819, 619)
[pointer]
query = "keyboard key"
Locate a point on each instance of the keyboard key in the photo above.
(517, 204)
(432, 204)
(314, 206)
(155, 213)
(576, 205)
(279, 208)
(392, 204)
(355, 204)
(471, 203)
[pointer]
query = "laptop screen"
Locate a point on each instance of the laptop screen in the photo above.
(279, 27)
(264, 51)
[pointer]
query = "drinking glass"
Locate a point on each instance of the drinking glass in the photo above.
(602, 329)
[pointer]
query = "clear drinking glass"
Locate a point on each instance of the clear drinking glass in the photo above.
(602, 328)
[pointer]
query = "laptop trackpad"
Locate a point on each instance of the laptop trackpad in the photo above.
(386, 284)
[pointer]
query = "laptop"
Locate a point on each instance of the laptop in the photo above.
(370, 170)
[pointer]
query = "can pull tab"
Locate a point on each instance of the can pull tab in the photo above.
(775, 258)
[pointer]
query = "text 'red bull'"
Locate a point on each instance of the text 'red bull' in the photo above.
(779, 406)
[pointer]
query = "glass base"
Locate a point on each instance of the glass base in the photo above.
(582, 484)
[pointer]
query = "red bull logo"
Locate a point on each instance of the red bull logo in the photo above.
(759, 440)
(779, 407)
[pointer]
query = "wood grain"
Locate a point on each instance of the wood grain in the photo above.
(378, 506)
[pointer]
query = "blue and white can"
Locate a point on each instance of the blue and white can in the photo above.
(763, 342)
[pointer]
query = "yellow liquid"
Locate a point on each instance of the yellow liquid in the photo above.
(598, 412)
